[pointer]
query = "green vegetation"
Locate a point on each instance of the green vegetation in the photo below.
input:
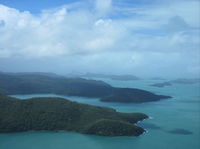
(105, 127)
(43, 84)
(56, 114)
(132, 95)
(35, 84)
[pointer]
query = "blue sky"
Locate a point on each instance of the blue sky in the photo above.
(35, 6)
(141, 37)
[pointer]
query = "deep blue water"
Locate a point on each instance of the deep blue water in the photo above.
(182, 112)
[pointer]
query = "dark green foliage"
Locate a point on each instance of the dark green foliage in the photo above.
(41, 84)
(56, 114)
(32, 84)
(105, 127)
(132, 95)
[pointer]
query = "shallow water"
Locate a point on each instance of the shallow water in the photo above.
(182, 112)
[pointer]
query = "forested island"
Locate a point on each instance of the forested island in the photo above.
(11, 84)
(58, 114)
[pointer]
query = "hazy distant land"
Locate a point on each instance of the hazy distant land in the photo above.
(163, 84)
(176, 81)
(113, 77)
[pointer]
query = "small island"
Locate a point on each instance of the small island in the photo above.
(186, 81)
(58, 114)
(180, 131)
(163, 84)
(176, 81)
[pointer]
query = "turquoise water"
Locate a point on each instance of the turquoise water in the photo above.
(180, 112)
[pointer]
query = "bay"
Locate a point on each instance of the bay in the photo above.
(174, 123)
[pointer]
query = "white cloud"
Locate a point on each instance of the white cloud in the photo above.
(164, 34)
(103, 6)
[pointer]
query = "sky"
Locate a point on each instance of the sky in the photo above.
(159, 38)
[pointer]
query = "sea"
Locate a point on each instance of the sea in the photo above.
(173, 124)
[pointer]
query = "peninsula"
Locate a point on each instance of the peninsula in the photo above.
(58, 114)
(11, 84)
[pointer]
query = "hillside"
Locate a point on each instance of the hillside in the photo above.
(35, 83)
(55, 114)
(132, 95)
(40, 84)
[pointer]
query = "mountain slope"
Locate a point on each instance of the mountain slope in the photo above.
(40, 84)
(56, 114)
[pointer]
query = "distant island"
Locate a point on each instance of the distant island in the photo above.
(11, 84)
(57, 114)
(186, 81)
(163, 84)
(113, 77)
(176, 81)
(180, 131)
(157, 78)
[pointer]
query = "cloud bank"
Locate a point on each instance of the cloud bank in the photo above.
(157, 39)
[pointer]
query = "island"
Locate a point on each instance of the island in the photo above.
(124, 77)
(157, 78)
(180, 131)
(112, 77)
(163, 84)
(176, 81)
(186, 81)
(58, 114)
(11, 84)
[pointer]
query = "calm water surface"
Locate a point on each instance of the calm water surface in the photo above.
(182, 112)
